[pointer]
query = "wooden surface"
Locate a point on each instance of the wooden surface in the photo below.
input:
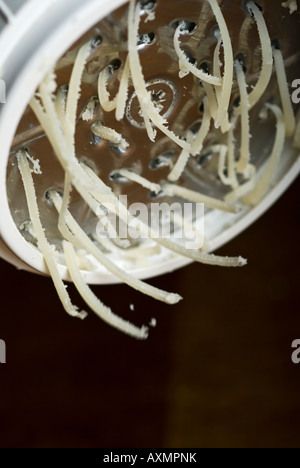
(216, 372)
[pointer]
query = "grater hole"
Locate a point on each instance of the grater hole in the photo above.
(148, 5)
(115, 176)
(164, 160)
(96, 41)
(204, 159)
(95, 139)
(49, 192)
(195, 127)
(248, 7)
(155, 196)
(204, 67)
(190, 57)
(186, 26)
(215, 32)
(115, 65)
(118, 149)
(146, 39)
(237, 102)
(276, 44)
(241, 59)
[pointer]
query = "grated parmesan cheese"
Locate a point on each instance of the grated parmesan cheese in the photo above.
(148, 110)
(291, 4)
(264, 182)
(245, 121)
(196, 197)
(87, 244)
(43, 244)
(289, 116)
(228, 73)
(56, 110)
(109, 134)
(267, 57)
(105, 313)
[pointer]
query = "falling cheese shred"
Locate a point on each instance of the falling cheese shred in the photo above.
(103, 259)
(292, 5)
(105, 313)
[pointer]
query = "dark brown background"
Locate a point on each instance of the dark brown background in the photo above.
(216, 371)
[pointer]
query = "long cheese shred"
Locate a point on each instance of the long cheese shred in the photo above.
(222, 150)
(196, 197)
(231, 144)
(267, 57)
(217, 71)
(101, 213)
(180, 166)
(245, 121)
(109, 134)
(123, 91)
(187, 66)
(288, 111)
(44, 246)
(148, 110)
(60, 104)
(149, 232)
(228, 71)
(74, 92)
(197, 144)
(181, 163)
(265, 180)
(240, 191)
(104, 97)
(89, 246)
(57, 112)
(212, 100)
(134, 177)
